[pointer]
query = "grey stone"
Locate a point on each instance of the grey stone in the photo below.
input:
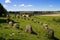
(10, 23)
(16, 25)
(28, 29)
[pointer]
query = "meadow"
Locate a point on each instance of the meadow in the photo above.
(6, 30)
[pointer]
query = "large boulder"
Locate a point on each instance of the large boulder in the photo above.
(17, 16)
(16, 25)
(50, 33)
(28, 29)
(45, 26)
(10, 23)
(8, 19)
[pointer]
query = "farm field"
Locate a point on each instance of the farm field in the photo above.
(8, 32)
(51, 15)
(29, 19)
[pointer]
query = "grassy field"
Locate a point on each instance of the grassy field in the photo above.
(51, 15)
(6, 31)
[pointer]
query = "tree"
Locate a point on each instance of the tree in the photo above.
(3, 11)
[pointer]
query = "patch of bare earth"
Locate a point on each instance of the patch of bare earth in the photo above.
(51, 15)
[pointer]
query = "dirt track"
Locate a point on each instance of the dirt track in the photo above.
(51, 15)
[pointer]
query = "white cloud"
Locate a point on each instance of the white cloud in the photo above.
(22, 5)
(29, 5)
(5, 5)
(7, 1)
(15, 5)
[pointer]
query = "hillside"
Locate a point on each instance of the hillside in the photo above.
(6, 31)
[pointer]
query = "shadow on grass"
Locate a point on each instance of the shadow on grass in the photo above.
(54, 38)
(1, 38)
(5, 21)
(2, 20)
(33, 33)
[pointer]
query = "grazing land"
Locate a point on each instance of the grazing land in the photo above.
(10, 33)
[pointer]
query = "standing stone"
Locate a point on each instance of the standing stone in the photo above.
(45, 26)
(10, 23)
(8, 19)
(16, 25)
(28, 29)
(35, 21)
(50, 33)
(2, 14)
(7, 16)
(17, 15)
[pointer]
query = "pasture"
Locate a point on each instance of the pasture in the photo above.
(7, 32)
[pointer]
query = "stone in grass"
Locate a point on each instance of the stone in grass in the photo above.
(8, 19)
(17, 16)
(28, 29)
(16, 25)
(35, 21)
(45, 26)
(41, 23)
(50, 33)
(10, 23)
(7, 15)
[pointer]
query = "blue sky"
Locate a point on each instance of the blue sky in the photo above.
(31, 5)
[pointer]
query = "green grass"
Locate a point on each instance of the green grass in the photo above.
(6, 30)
